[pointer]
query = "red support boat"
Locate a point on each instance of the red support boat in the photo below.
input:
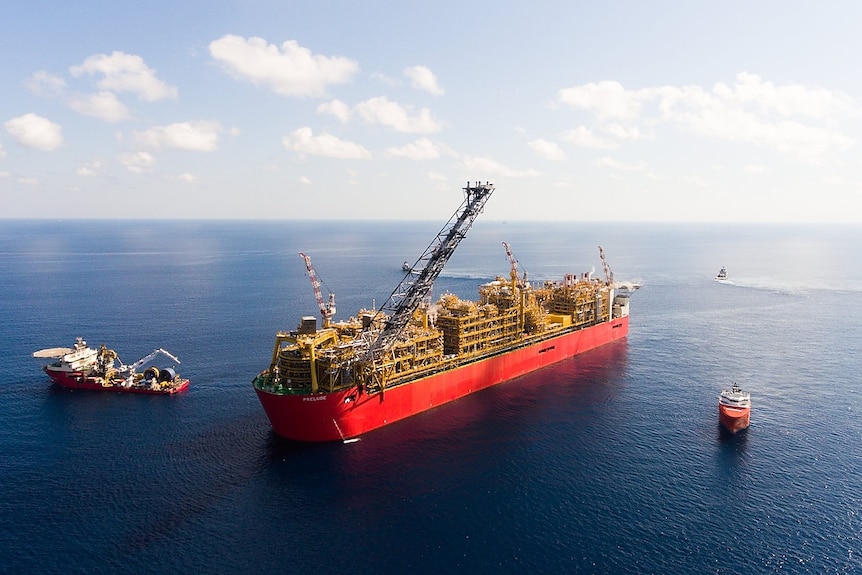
(734, 408)
(82, 367)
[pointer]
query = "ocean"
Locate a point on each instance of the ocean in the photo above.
(610, 462)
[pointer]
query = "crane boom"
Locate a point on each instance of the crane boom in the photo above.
(130, 369)
(609, 275)
(513, 263)
(407, 297)
(327, 310)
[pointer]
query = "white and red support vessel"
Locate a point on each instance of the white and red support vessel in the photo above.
(345, 378)
(734, 408)
(82, 367)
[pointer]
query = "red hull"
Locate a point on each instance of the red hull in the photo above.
(733, 418)
(76, 380)
(342, 415)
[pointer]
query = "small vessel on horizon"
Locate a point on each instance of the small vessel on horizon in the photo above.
(721, 275)
(405, 267)
(734, 408)
(83, 367)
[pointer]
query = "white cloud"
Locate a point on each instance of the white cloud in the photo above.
(547, 150)
(200, 136)
(336, 108)
(795, 120)
(303, 141)
(607, 162)
(2, 152)
(756, 169)
(606, 99)
(352, 178)
(421, 149)
(625, 133)
(583, 137)
(28, 181)
(125, 73)
(792, 100)
(422, 78)
(387, 80)
(103, 105)
(44, 84)
(137, 162)
(438, 180)
(485, 168)
(290, 70)
(696, 181)
(304, 180)
(36, 132)
(90, 169)
(380, 110)
(722, 116)
(188, 178)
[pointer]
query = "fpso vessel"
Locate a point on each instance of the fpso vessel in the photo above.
(340, 380)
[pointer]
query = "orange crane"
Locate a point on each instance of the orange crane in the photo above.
(327, 309)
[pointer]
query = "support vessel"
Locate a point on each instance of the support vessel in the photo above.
(84, 367)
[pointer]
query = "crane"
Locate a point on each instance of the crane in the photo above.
(516, 281)
(129, 370)
(408, 295)
(327, 309)
(609, 275)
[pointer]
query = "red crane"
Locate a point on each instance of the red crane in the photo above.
(327, 309)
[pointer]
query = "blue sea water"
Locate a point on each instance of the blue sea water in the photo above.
(611, 462)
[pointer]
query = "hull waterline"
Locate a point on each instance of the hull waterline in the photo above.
(77, 380)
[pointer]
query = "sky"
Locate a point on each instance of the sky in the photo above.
(666, 111)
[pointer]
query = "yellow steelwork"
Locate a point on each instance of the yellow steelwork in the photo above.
(475, 329)
(509, 312)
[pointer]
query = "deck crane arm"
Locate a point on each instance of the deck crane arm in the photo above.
(407, 297)
(327, 309)
(609, 275)
(513, 274)
(133, 367)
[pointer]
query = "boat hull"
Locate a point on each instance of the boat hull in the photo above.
(347, 414)
(77, 380)
(734, 419)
